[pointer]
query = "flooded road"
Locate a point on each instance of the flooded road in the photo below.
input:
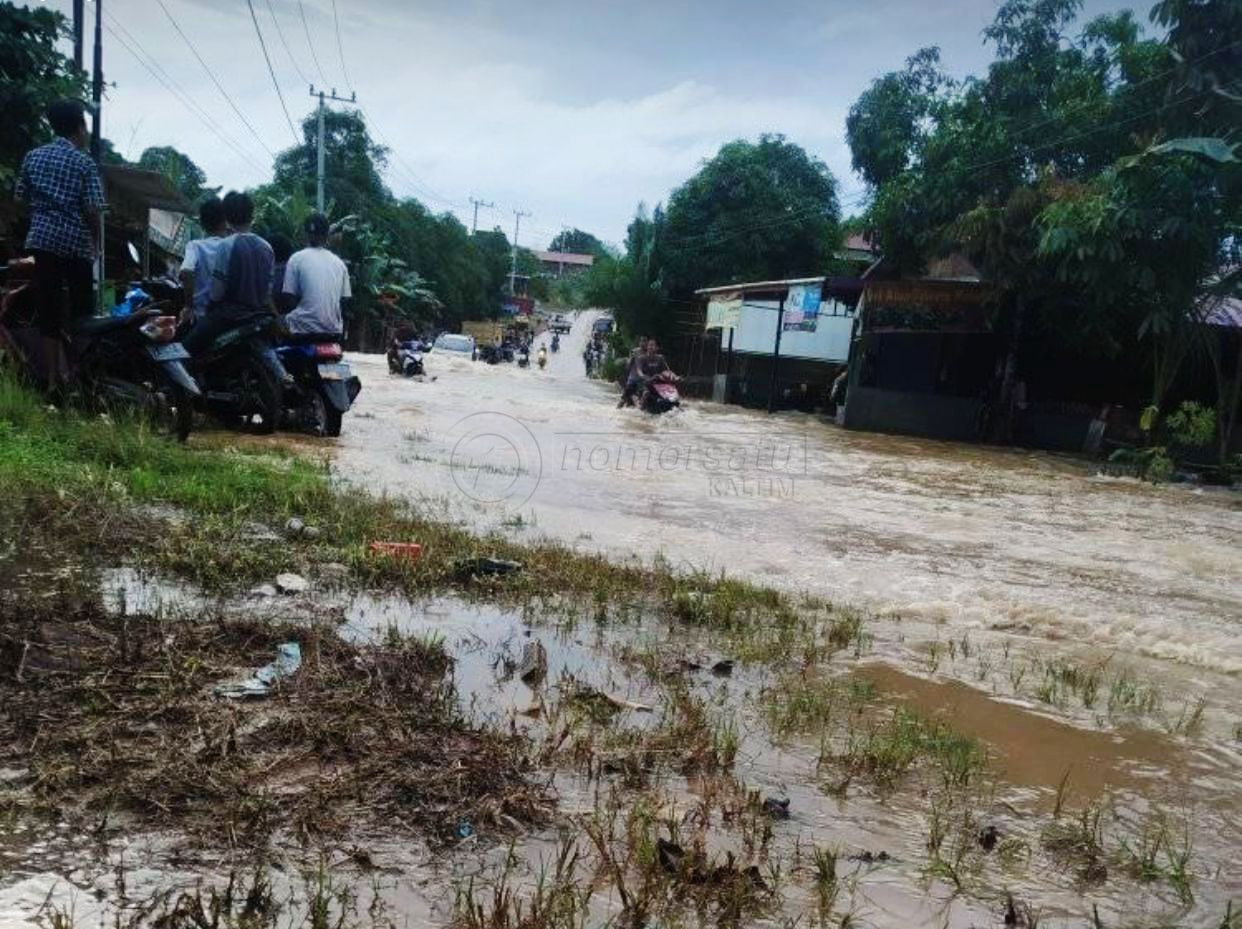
(951, 536)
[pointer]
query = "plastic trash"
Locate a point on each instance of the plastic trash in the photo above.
(134, 300)
(410, 551)
(464, 830)
(288, 660)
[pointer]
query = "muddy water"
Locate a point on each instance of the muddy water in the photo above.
(967, 536)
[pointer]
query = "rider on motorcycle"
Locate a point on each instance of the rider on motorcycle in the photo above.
(316, 285)
(644, 367)
(241, 275)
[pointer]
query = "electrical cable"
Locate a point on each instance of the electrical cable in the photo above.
(311, 45)
(164, 79)
(288, 51)
(220, 87)
(340, 48)
(276, 84)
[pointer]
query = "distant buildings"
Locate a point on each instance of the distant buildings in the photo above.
(558, 264)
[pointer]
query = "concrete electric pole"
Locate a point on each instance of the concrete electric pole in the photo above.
(79, 35)
(474, 227)
(517, 225)
(353, 98)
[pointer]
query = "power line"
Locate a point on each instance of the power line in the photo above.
(276, 84)
(211, 74)
(341, 48)
(281, 35)
(311, 45)
(164, 79)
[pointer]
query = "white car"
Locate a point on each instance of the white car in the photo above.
(454, 344)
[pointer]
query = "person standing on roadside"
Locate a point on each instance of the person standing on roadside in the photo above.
(60, 185)
(317, 285)
(241, 277)
(200, 257)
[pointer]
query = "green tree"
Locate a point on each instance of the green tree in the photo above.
(578, 242)
(756, 211)
(180, 170)
(33, 74)
(353, 162)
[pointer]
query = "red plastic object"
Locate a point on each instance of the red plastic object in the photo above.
(412, 551)
(328, 351)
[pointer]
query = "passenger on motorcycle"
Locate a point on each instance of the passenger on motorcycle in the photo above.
(241, 277)
(316, 285)
(200, 256)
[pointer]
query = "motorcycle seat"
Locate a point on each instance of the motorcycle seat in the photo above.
(98, 325)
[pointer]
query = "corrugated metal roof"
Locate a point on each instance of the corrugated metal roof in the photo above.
(754, 286)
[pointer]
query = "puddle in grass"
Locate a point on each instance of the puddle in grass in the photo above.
(1132, 771)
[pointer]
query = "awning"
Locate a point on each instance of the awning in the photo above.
(132, 192)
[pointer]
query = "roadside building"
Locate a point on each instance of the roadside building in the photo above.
(557, 265)
(923, 360)
(776, 344)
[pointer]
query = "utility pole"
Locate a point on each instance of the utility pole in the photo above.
(474, 227)
(79, 32)
(97, 85)
(96, 134)
(517, 225)
(776, 350)
(352, 98)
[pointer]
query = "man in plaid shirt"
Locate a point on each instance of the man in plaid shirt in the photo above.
(61, 187)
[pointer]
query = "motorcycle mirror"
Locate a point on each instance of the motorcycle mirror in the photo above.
(133, 253)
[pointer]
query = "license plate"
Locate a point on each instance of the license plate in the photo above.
(173, 351)
(334, 372)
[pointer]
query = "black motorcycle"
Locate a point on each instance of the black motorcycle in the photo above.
(322, 387)
(127, 363)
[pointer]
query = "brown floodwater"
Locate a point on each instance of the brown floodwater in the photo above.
(1129, 769)
(964, 536)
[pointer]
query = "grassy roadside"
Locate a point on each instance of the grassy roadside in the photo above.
(86, 487)
(101, 490)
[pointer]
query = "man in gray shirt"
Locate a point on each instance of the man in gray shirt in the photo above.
(316, 285)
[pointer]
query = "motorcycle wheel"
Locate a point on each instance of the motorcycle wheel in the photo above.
(323, 419)
(173, 412)
(411, 369)
(261, 396)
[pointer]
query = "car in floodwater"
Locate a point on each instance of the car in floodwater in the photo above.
(453, 344)
(602, 325)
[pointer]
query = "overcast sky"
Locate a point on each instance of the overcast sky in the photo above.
(572, 111)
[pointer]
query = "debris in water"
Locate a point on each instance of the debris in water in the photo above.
(988, 838)
(777, 809)
(533, 667)
(868, 857)
(288, 660)
(464, 830)
(294, 527)
(265, 590)
(670, 854)
(723, 667)
(290, 583)
(486, 567)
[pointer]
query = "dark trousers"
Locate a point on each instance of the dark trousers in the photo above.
(53, 275)
(219, 319)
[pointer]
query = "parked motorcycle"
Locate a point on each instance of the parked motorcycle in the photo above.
(239, 373)
(323, 386)
(406, 358)
(129, 362)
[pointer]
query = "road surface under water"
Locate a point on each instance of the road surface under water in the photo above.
(960, 536)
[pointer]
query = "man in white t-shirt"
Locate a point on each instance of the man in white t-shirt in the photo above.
(320, 283)
(200, 257)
